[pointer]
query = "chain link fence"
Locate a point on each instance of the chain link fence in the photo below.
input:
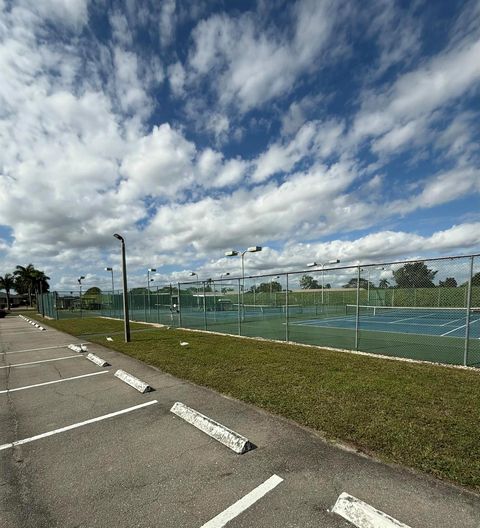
(426, 309)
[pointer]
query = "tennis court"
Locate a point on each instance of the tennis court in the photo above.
(405, 320)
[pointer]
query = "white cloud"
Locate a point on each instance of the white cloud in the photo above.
(159, 164)
(441, 188)
(420, 92)
(253, 64)
(176, 77)
(72, 13)
(167, 22)
(317, 139)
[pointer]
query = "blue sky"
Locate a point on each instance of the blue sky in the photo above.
(318, 129)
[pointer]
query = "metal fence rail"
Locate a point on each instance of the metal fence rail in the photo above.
(426, 309)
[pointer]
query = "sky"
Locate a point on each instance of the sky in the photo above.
(317, 129)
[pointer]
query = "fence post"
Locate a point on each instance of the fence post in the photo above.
(357, 311)
(469, 303)
(204, 306)
(239, 313)
(286, 311)
(179, 306)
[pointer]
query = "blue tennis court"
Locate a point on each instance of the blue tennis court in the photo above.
(450, 322)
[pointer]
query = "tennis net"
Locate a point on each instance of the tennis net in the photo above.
(268, 309)
(409, 311)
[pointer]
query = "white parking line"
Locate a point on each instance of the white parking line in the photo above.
(241, 505)
(34, 349)
(40, 361)
(74, 426)
(52, 382)
(21, 332)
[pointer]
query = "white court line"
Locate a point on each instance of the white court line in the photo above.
(454, 321)
(52, 382)
(245, 502)
(34, 349)
(459, 327)
(74, 426)
(41, 361)
(407, 318)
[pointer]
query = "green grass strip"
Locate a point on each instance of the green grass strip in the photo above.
(422, 416)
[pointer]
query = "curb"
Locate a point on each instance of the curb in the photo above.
(363, 515)
(78, 348)
(224, 435)
(97, 360)
(134, 382)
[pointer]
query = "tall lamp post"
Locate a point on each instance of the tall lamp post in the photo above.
(113, 289)
(235, 253)
(322, 265)
(80, 293)
(126, 319)
(271, 281)
(193, 274)
(150, 270)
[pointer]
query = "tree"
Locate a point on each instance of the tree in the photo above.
(29, 280)
(363, 283)
(267, 287)
(307, 282)
(414, 275)
(92, 292)
(7, 283)
(476, 279)
(383, 283)
(449, 282)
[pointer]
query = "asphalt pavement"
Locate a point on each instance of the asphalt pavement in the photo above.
(80, 448)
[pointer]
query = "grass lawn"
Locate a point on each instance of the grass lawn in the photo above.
(422, 416)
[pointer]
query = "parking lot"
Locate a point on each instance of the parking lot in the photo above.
(81, 448)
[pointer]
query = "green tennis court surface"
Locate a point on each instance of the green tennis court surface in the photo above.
(429, 334)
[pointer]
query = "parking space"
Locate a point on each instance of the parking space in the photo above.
(99, 453)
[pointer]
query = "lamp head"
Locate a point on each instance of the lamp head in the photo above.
(108, 269)
(152, 270)
(231, 253)
(254, 249)
(117, 236)
(311, 264)
(336, 261)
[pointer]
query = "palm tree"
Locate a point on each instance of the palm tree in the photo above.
(7, 283)
(29, 280)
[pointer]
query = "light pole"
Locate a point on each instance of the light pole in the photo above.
(192, 274)
(80, 293)
(150, 270)
(234, 253)
(113, 290)
(126, 320)
(322, 265)
(271, 281)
